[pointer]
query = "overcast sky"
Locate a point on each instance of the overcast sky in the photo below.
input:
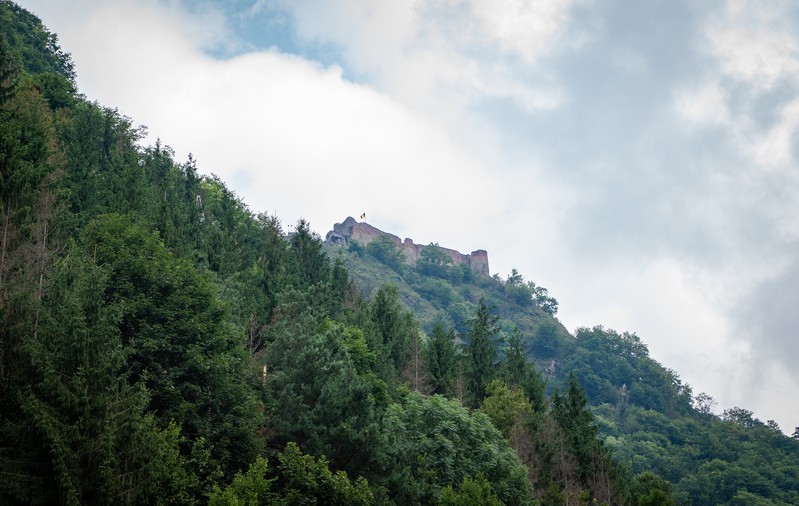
(638, 159)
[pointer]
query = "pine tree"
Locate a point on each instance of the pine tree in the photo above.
(392, 328)
(181, 343)
(441, 358)
(519, 372)
(481, 351)
(9, 73)
(82, 436)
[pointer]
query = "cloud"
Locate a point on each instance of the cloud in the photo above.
(526, 29)
(752, 43)
(705, 105)
(290, 135)
(440, 56)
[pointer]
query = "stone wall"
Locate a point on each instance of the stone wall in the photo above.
(364, 233)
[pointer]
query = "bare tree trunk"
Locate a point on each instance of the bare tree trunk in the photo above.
(416, 374)
(4, 244)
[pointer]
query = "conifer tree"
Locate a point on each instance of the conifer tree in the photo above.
(181, 344)
(519, 372)
(441, 357)
(481, 351)
(392, 331)
(83, 436)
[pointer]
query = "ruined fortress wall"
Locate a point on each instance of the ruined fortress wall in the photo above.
(364, 233)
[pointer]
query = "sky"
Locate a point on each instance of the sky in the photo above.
(638, 159)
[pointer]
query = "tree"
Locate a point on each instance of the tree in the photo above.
(431, 443)
(481, 351)
(9, 73)
(650, 489)
(741, 416)
(573, 416)
(508, 409)
(310, 264)
(441, 357)
(318, 398)
(392, 329)
(704, 403)
(472, 492)
(519, 372)
(545, 339)
(416, 370)
(434, 262)
(181, 345)
(298, 479)
(385, 249)
(93, 441)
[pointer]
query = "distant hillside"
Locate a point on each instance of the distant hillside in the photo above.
(649, 417)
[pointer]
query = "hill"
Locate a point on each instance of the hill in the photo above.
(647, 416)
(161, 343)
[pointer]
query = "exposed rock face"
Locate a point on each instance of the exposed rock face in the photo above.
(364, 233)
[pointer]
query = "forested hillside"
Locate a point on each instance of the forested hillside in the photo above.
(647, 417)
(163, 344)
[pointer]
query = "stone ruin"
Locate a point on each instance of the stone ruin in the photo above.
(364, 233)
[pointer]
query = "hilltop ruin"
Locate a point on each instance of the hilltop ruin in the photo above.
(364, 233)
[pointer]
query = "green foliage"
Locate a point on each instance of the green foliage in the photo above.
(356, 248)
(93, 440)
(299, 479)
(27, 147)
(433, 443)
(651, 490)
(179, 341)
(433, 261)
(250, 489)
(548, 305)
(310, 266)
(605, 361)
(743, 417)
(519, 372)
(527, 294)
(508, 408)
(571, 412)
(481, 351)
(391, 331)
(441, 358)
(9, 73)
(50, 68)
(385, 250)
(436, 290)
(305, 480)
(472, 492)
(318, 397)
(103, 173)
(707, 460)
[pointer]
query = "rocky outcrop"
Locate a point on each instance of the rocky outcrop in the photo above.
(350, 230)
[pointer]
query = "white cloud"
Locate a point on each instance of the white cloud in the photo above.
(289, 135)
(777, 147)
(440, 56)
(753, 44)
(524, 28)
(705, 105)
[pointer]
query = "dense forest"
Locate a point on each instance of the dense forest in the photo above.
(163, 344)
